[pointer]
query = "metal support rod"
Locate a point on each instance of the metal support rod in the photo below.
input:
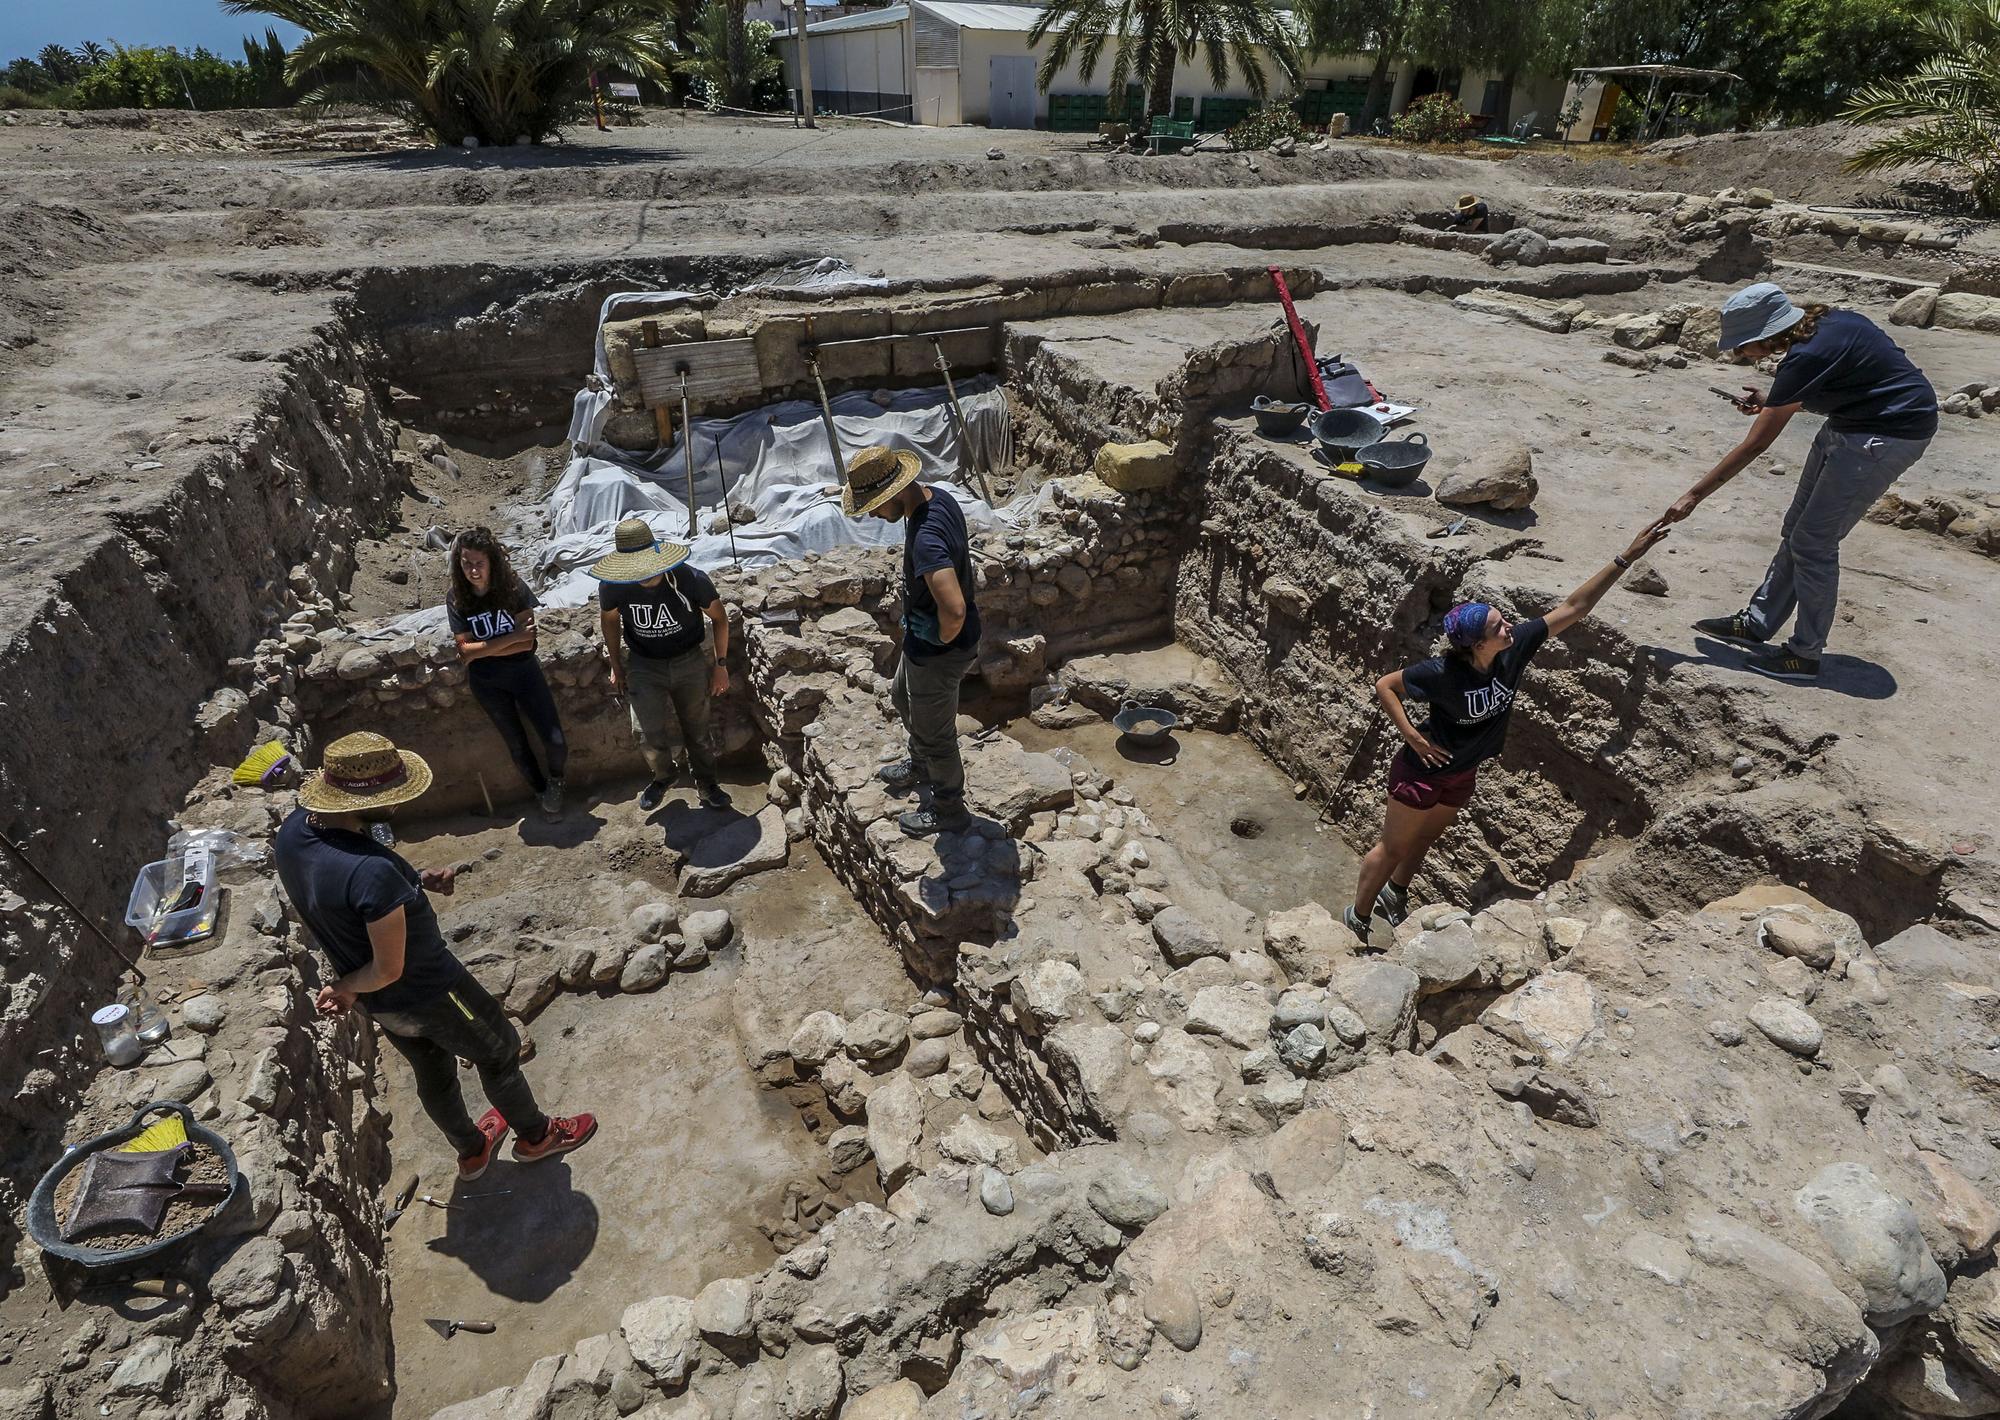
(727, 511)
(966, 453)
(64, 898)
(687, 449)
(826, 416)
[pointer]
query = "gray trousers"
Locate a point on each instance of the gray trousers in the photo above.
(925, 694)
(656, 685)
(1843, 476)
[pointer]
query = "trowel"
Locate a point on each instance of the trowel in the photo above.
(448, 1328)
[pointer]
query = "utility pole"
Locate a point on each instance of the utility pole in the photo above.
(805, 64)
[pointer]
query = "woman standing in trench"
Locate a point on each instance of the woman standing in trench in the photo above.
(492, 616)
(1471, 689)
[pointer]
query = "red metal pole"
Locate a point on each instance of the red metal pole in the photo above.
(1299, 337)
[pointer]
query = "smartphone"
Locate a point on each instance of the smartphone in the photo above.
(1736, 399)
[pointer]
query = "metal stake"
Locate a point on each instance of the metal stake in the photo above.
(687, 448)
(965, 449)
(727, 511)
(64, 898)
(826, 416)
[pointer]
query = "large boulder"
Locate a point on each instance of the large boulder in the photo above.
(1876, 1238)
(1501, 475)
(1135, 468)
(1308, 942)
(1963, 310)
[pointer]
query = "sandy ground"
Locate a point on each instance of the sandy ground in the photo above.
(691, 1151)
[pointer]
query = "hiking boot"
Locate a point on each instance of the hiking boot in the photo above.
(565, 1133)
(1734, 627)
(713, 796)
(1392, 904)
(551, 798)
(651, 795)
(939, 818)
(493, 1129)
(1786, 665)
(901, 777)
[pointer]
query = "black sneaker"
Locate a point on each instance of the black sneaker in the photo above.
(652, 794)
(1392, 904)
(922, 823)
(901, 777)
(713, 796)
(1786, 665)
(1734, 627)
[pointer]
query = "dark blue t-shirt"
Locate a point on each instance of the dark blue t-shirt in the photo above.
(664, 619)
(1854, 374)
(494, 622)
(1470, 707)
(935, 536)
(339, 882)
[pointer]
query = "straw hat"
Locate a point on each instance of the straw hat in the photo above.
(640, 554)
(364, 771)
(1468, 200)
(874, 476)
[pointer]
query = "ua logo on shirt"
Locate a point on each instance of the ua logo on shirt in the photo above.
(652, 618)
(490, 625)
(1488, 701)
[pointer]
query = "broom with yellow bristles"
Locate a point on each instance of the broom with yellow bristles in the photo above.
(265, 766)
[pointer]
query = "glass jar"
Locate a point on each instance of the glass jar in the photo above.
(149, 1022)
(116, 1035)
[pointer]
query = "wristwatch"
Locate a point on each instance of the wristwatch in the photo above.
(1618, 561)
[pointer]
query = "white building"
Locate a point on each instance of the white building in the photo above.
(968, 61)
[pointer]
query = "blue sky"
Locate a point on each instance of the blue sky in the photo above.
(27, 25)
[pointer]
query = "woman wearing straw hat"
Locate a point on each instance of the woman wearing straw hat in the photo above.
(940, 627)
(368, 911)
(653, 606)
(492, 616)
(1880, 415)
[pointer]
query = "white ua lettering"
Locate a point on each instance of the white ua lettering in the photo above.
(652, 619)
(1488, 701)
(491, 625)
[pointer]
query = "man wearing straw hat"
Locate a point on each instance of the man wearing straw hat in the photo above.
(369, 912)
(940, 627)
(653, 605)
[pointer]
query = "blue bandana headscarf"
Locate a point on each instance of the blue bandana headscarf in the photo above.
(1465, 624)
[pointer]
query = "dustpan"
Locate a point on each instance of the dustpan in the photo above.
(44, 1228)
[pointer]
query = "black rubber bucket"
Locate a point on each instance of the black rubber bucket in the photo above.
(1395, 462)
(1343, 431)
(46, 1229)
(1145, 724)
(1276, 418)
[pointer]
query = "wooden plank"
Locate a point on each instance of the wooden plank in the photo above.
(663, 422)
(716, 369)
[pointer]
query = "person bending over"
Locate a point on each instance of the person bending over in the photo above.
(1880, 415)
(369, 912)
(492, 615)
(1470, 690)
(653, 606)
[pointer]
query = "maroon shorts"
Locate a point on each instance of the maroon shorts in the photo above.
(1412, 783)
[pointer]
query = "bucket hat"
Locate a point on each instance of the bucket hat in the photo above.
(874, 476)
(639, 554)
(1468, 201)
(361, 771)
(1756, 313)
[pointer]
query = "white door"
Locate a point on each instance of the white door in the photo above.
(1010, 101)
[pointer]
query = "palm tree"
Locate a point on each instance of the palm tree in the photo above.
(59, 64)
(92, 54)
(1151, 36)
(1953, 98)
(487, 69)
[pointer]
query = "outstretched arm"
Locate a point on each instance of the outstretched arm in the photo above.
(1577, 605)
(1771, 421)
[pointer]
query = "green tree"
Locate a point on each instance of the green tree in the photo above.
(59, 64)
(265, 84)
(1444, 33)
(151, 77)
(1151, 37)
(92, 54)
(712, 60)
(1950, 104)
(486, 69)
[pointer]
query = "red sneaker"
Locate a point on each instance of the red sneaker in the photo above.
(494, 1129)
(564, 1134)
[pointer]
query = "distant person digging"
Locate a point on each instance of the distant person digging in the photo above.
(1470, 215)
(940, 628)
(653, 606)
(369, 912)
(1881, 413)
(1471, 690)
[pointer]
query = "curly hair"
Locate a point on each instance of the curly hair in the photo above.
(1799, 330)
(503, 588)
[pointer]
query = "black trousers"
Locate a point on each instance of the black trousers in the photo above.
(465, 1021)
(511, 689)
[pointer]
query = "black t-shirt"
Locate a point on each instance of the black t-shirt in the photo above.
(664, 619)
(935, 536)
(493, 623)
(1470, 708)
(339, 882)
(1855, 375)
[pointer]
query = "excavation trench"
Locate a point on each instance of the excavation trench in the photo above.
(1252, 593)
